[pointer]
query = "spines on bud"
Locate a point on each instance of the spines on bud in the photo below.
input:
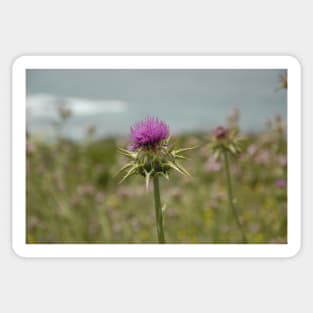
(151, 153)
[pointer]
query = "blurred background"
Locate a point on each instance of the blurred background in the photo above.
(188, 100)
(76, 119)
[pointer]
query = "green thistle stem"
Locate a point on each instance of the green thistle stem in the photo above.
(231, 197)
(158, 209)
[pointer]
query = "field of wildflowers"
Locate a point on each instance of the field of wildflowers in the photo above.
(74, 196)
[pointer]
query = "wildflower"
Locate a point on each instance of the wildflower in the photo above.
(148, 134)
(152, 156)
(220, 132)
(280, 183)
(225, 142)
(150, 152)
(224, 139)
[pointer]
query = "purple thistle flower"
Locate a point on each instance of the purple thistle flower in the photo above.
(220, 132)
(148, 133)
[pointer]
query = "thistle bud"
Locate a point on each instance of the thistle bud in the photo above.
(224, 139)
(220, 132)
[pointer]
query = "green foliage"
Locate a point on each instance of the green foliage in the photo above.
(73, 196)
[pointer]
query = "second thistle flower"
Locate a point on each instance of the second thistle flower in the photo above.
(224, 139)
(150, 151)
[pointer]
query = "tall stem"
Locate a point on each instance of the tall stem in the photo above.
(158, 209)
(231, 197)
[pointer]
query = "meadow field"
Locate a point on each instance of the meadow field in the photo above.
(73, 195)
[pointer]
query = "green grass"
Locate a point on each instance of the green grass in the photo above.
(73, 196)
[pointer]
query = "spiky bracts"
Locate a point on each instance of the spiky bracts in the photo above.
(150, 163)
(151, 153)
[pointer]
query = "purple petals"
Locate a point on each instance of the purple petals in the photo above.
(148, 133)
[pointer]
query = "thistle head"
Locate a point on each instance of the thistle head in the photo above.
(225, 139)
(220, 132)
(150, 152)
(148, 134)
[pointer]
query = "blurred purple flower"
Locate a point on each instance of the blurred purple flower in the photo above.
(263, 157)
(212, 165)
(220, 132)
(280, 183)
(148, 133)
